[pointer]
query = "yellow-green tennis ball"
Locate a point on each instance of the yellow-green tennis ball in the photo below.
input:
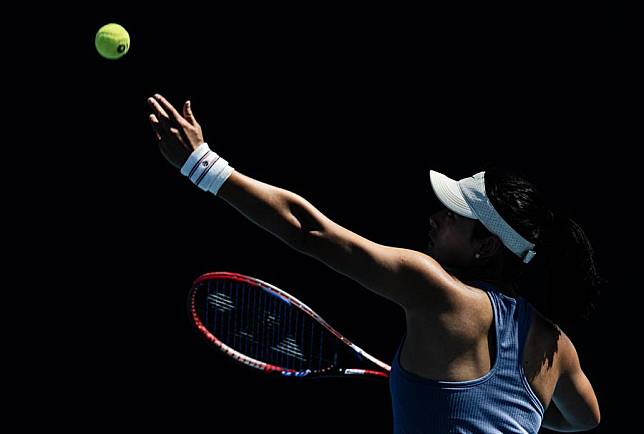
(112, 41)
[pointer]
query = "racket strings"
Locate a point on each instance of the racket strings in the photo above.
(264, 326)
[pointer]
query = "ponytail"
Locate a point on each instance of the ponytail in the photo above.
(573, 283)
(562, 281)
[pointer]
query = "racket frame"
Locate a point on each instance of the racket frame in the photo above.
(332, 371)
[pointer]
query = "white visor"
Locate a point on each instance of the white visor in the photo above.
(467, 198)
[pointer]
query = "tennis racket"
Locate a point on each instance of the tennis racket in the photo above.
(268, 329)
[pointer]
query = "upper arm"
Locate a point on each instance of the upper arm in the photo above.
(574, 395)
(407, 277)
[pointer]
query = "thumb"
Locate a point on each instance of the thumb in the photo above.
(187, 113)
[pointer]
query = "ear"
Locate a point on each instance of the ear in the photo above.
(489, 246)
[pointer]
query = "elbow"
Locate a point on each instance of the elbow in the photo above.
(588, 426)
(305, 242)
(305, 227)
(591, 422)
(317, 245)
(596, 418)
(305, 238)
(294, 232)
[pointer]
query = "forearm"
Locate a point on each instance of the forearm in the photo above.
(283, 213)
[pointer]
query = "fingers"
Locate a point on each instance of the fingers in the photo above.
(187, 113)
(169, 108)
(165, 122)
(157, 108)
(155, 126)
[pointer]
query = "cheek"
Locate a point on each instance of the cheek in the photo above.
(452, 248)
(451, 240)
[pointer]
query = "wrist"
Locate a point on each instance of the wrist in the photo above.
(206, 169)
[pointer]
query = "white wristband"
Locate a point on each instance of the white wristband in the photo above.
(206, 169)
(220, 179)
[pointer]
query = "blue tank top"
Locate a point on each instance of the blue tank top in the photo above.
(501, 401)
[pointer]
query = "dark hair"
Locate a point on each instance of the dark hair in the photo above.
(563, 249)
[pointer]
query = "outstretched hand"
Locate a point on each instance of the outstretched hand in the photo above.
(178, 135)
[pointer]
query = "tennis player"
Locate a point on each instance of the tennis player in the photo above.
(476, 357)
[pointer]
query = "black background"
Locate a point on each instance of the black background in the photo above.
(349, 108)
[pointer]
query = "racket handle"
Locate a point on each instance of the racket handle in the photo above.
(365, 372)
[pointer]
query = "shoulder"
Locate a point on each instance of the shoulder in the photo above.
(550, 338)
(418, 281)
(545, 329)
(448, 292)
(550, 353)
(543, 348)
(462, 307)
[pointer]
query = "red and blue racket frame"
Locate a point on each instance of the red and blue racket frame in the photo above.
(381, 369)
